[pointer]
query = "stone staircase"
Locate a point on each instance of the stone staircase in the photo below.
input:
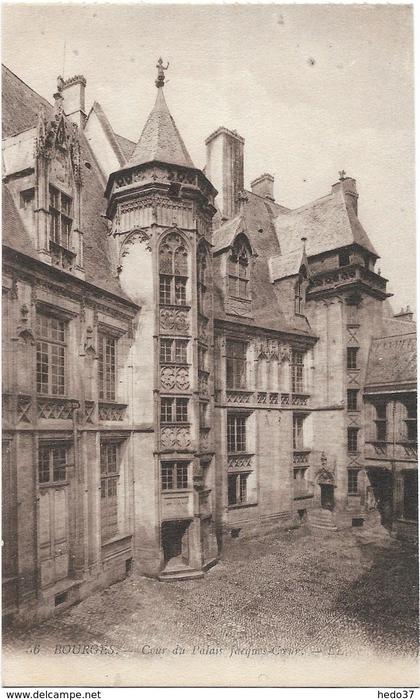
(320, 519)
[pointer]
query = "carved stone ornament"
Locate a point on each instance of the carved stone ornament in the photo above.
(24, 330)
(176, 438)
(284, 353)
(174, 320)
(325, 475)
(89, 344)
(58, 131)
(135, 236)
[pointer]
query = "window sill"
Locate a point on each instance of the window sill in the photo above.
(171, 492)
(116, 538)
(236, 506)
(410, 521)
(53, 484)
(175, 306)
(235, 298)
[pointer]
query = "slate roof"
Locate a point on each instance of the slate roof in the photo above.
(15, 234)
(256, 220)
(122, 147)
(126, 146)
(20, 111)
(160, 139)
(327, 223)
(282, 266)
(392, 361)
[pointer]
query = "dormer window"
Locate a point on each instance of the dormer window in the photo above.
(26, 198)
(239, 270)
(60, 218)
(343, 259)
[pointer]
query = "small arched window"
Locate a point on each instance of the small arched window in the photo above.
(300, 288)
(239, 269)
(173, 271)
(202, 278)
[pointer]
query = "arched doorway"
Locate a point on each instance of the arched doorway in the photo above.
(326, 482)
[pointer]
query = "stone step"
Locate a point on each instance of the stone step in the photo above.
(180, 575)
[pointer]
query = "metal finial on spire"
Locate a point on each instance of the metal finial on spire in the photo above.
(304, 239)
(160, 80)
(342, 174)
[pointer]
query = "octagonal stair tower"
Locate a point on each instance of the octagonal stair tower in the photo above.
(160, 207)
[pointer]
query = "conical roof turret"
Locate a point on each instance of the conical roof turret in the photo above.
(160, 139)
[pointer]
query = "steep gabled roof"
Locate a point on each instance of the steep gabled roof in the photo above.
(327, 223)
(224, 236)
(256, 221)
(282, 266)
(160, 139)
(20, 112)
(119, 143)
(392, 361)
(20, 104)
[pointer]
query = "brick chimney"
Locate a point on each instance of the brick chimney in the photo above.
(347, 185)
(73, 91)
(225, 168)
(263, 186)
(404, 315)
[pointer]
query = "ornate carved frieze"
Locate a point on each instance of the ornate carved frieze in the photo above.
(239, 463)
(301, 457)
(300, 400)
(238, 397)
(57, 409)
(173, 377)
(111, 412)
(24, 409)
(89, 412)
(174, 320)
(262, 397)
(238, 307)
(172, 437)
(285, 400)
(273, 399)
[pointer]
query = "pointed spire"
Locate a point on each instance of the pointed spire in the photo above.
(160, 138)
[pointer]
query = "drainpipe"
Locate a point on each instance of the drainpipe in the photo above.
(393, 471)
(75, 408)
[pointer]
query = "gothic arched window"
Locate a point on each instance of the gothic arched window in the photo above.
(300, 291)
(239, 269)
(173, 271)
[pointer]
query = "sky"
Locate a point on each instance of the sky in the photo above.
(313, 89)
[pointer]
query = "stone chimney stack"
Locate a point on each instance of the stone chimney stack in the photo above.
(225, 168)
(347, 185)
(263, 186)
(405, 314)
(73, 91)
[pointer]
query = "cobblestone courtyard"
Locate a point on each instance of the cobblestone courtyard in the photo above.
(296, 592)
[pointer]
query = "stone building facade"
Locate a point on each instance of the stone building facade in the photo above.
(184, 359)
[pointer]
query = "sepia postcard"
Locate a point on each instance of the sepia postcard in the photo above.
(209, 346)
